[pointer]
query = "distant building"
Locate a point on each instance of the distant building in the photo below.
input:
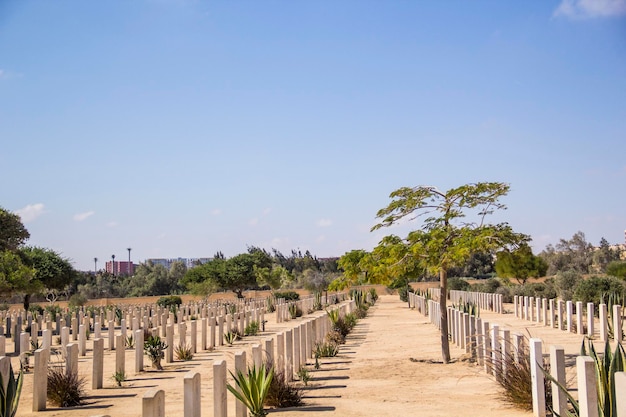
(188, 262)
(120, 267)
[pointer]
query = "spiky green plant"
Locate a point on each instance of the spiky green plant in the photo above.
(252, 388)
(184, 352)
(10, 398)
(154, 347)
(130, 342)
(317, 304)
(252, 329)
(231, 337)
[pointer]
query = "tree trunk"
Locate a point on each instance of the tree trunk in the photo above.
(443, 309)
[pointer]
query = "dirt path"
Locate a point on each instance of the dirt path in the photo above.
(384, 369)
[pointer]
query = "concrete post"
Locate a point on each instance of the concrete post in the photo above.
(138, 350)
(557, 370)
(194, 336)
(71, 358)
(569, 306)
(169, 352)
(495, 350)
(604, 327)
(203, 335)
(40, 379)
(587, 387)
(240, 366)
(620, 393)
(98, 364)
(296, 349)
(219, 389)
(289, 355)
(82, 340)
(579, 318)
(153, 403)
(590, 319)
(192, 394)
(257, 356)
(111, 331)
(280, 352)
(537, 378)
(617, 322)
(120, 354)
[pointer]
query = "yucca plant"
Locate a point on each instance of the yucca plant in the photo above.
(231, 337)
(183, 352)
(317, 304)
(252, 388)
(10, 398)
(252, 329)
(130, 342)
(154, 347)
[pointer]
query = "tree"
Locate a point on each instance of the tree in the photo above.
(13, 234)
(617, 269)
(15, 277)
(604, 255)
(52, 271)
(520, 264)
(575, 254)
(351, 265)
(445, 239)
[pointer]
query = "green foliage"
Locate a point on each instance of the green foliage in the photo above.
(53, 310)
(403, 293)
(36, 309)
(252, 389)
(520, 264)
(252, 329)
(537, 289)
(15, 276)
(129, 342)
(606, 366)
(169, 301)
(325, 350)
(119, 377)
(565, 283)
(287, 295)
(294, 311)
(591, 290)
(154, 347)
(10, 397)
(51, 269)
(270, 304)
(446, 238)
(304, 375)
(183, 352)
(575, 254)
(617, 269)
(458, 284)
(13, 234)
(77, 300)
(317, 304)
(231, 337)
(65, 389)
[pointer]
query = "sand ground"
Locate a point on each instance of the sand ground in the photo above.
(384, 369)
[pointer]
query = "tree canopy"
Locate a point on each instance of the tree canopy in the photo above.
(520, 264)
(13, 234)
(446, 238)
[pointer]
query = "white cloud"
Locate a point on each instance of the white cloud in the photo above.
(30, 212)
(584, 9)
(79, 217)
(254, 221)
(112, 224)
(216, 212)
(324, 222)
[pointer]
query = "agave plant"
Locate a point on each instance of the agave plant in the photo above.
(252, 388)
(10, 398)
(606, 366)
(154, 347)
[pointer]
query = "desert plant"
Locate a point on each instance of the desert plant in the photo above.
(287, 295)
(270, 303)
(317, 304)
(65, 389)
(77, 300)
(154, 347)
(184, 352)
(373, 295)
(335, 337)
(282, 394)
(606, 366)
(10, 397)
(119, 377)
(169, 301)
(231, 337)
(325, 350)
(252, 388)
(294, 311)
(304, 375)
(129, 342)
(252, 329)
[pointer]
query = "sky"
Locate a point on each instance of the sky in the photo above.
(180, 128)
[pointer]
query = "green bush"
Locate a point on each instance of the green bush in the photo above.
(592, 289)
(77, 300)
(565, 283)
(36, 309)
(287, 295)
(537, 289)
(490, 286)
(252, 329)
(169, 301)
(617, 269)
(65, 389)
(458, 284)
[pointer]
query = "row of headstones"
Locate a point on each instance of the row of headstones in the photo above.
(293, 348)
(306, 304)
(486, 301)
(560, 314)
(587, 387)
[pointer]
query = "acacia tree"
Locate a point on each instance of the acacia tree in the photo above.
(445, 238)
(520, 264)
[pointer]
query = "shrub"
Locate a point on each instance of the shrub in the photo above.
(169, 301)
(119, 377)
(65, 389)
(617, 269)
(287, 295)
(403, 292)
(53, 310)
(252, 329)
(304, 375)
(335, 337)
(77, 300)
(490, 286)
(592, 289)
(325, 350)
(36, 309)
(183, 352)
(154, 347)
(460, 284)
(295, 311)
(565, 283)
(507, 297)
(231, 337)
(282, 394)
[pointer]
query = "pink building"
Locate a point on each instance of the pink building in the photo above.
(120, 268)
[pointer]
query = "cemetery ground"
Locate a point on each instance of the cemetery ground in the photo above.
(390, 365)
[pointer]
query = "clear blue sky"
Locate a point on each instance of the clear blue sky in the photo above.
(180, 127)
